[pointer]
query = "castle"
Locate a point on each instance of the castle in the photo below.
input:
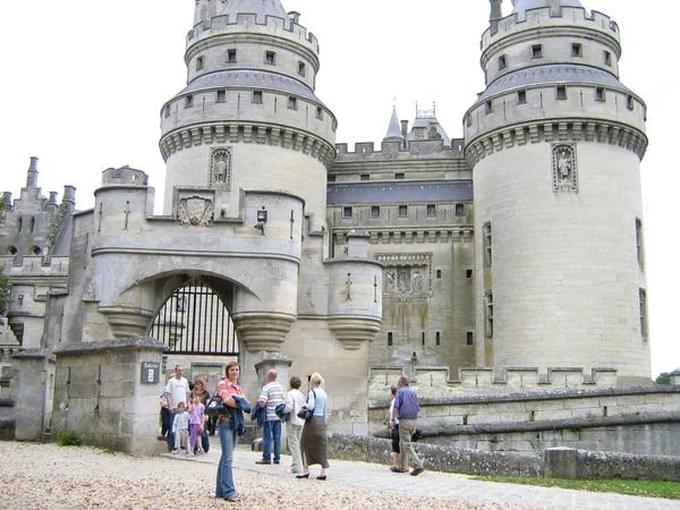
(514, 250)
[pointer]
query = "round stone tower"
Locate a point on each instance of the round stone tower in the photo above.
(248, 118)
(556, 142)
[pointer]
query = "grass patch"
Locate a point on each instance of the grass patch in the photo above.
(112, 451)
(646, 488)
(69, 439)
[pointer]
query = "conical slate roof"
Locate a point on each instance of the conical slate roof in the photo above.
(394, 129)
(521, 6)
(261, 8)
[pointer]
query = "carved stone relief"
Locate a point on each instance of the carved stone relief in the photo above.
(195, 209)
(565, 176)
(220, 168)
(406, 275)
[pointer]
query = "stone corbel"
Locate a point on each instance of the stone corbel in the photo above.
(262, 331)
(353, 332)
(127, 321)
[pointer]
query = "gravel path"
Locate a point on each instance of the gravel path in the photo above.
(49, 476)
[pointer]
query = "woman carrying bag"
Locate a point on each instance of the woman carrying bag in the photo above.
(314, 443)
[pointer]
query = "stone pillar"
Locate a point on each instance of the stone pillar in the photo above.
(104, 397)
(34, 371)
(254, 367)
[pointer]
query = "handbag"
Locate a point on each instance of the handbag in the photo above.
(215, 406)
(305, 413)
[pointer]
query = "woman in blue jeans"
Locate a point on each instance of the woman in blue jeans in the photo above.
(227, 389)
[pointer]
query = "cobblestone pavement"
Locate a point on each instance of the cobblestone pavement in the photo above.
(452, 487)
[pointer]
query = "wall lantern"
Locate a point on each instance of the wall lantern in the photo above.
(261, 219)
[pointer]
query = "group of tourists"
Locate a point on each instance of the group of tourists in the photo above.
(185, 422)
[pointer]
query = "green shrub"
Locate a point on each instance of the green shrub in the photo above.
(69, 439)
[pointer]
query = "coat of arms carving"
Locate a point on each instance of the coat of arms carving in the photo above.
(195, 210)
(565, 177)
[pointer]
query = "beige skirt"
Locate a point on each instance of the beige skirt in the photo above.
(314, 443)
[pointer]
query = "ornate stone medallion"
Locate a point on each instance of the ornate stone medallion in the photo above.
(195, 210)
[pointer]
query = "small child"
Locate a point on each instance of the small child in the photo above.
(180, 427)
(197, 410)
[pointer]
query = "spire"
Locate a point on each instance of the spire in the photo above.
(394, 129)
(32, 174)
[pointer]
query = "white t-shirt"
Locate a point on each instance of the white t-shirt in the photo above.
(177, 389)
(396, 419)
(295, 401)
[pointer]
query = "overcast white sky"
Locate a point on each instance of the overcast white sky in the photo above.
(83, 82)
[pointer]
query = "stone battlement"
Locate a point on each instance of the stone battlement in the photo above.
(19, 266)
(250, 23)
(544, 18)
(436, 382)
(413, 148)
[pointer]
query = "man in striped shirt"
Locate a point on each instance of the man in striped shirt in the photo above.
(271, 396)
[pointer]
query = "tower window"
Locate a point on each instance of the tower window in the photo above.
(643, 313)
(167, 111)
(470, 338)
(561, 92)
(399, 176)
(630, 103)
(502, 62)
(403, 210)
(257, 96)
(600, 94)
(200, 63)
(438, 274)
(365, 177)
(468, 121)
(346, 212)
(231, 56)
(489, 107)
(302, 68)
(488, 315)
(375, 211)
(319, 113)
(270, 58)
(607, 58)
(537, 51)
(422, 338)
(469, 273)
(521, 96)
(638, 241)
(188, 101)
(460, 209)
(390, 339)
(576, 50)
(438, 338)
(221, 96)
(292, 103)
(488, 244)
(431, 210)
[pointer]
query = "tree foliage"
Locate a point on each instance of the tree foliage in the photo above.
(663, 378)
(4, 292)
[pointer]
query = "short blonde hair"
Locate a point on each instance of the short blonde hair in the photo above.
(316, 379)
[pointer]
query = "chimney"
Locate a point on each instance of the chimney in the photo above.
(496, 12)
(69, 197)
(53, 199)
(404, 128)
(32, 174)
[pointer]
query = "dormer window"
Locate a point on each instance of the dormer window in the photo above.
(537, 51)
(502, 62)
(576, 50)
(270, 58)
(231, 56)
(302, 69)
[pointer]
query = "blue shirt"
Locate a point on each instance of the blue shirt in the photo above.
(318, 403)
(406, 403)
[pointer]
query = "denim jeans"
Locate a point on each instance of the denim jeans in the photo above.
(205, 440)
(225, 479)
(272, 431)
(171, 435)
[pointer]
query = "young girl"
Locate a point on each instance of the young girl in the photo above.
(197, 411)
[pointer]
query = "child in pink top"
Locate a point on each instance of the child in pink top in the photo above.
(197, 413)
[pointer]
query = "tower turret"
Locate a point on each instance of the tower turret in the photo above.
(32, 173)
(556, 142)
(249, 116)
